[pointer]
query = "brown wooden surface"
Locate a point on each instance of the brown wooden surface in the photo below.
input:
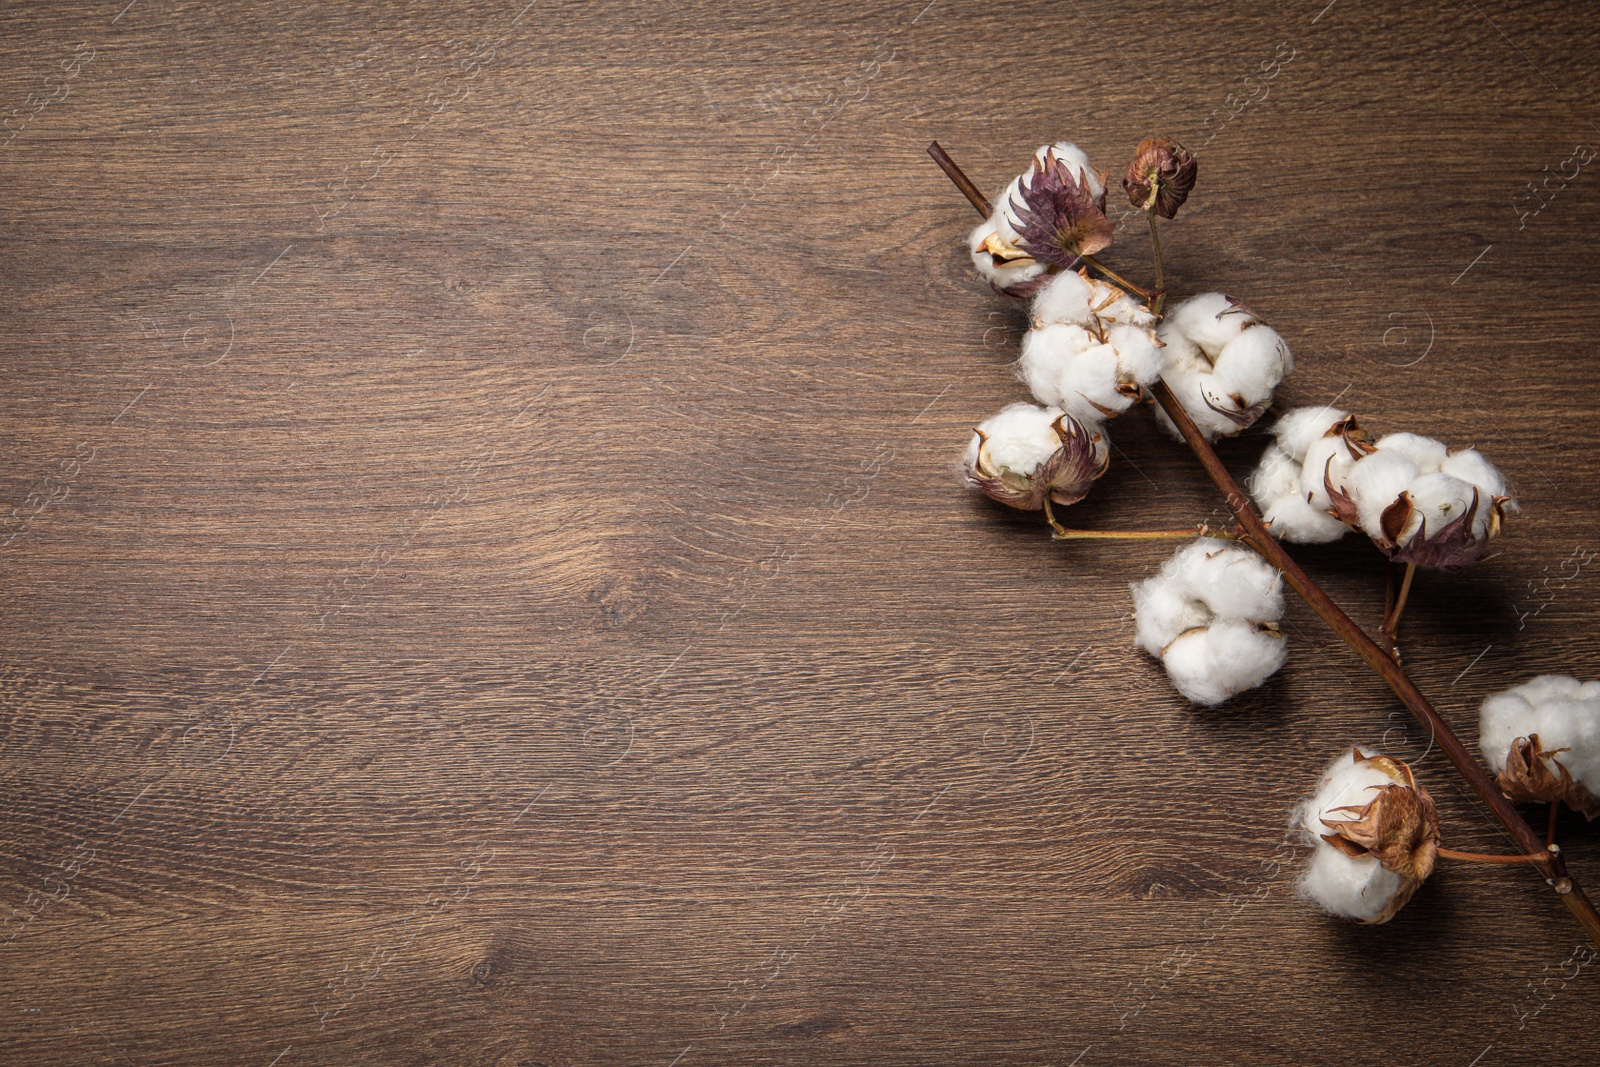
(494, 589)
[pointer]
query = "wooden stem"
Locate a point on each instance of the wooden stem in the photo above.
(1063, 533)
(1493, 857)
(1148, 296)
(1257, 536)
(957, 175)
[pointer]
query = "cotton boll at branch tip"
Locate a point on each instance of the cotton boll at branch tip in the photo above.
(1210, 615)
(1542, 740)
(1375, 836)
(1026, 454)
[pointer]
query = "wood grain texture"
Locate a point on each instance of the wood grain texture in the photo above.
(487, 583)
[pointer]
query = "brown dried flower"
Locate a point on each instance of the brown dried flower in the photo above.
(1533, 775)
(1160, 176)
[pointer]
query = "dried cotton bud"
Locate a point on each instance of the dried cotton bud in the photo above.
(1376, 837)
(1222, 363)
(1542, 739)
(1211, 616)
(1026, 453)
(1160, 176)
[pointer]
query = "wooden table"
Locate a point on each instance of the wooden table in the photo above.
(488, 585)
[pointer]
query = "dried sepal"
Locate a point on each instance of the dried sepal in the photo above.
(1534, 775)
(1065, 477)
(1058, 220)
(1454, 545)
(1343, 506)
(1160, 176)
(1241, 414)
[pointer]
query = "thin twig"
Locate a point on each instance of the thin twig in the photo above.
(1062, 533)
(1145, 294)
(1161, 270)
(957, 175)
(1493, 857)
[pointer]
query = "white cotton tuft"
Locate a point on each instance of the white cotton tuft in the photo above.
(1211, 320)
(1565, 715)
(1222, 363)
(1232, 582)
(1019, 438)
(1470, 466)
(1439, 499)
(1275, 485)
(1254, 363)
(1047, 355)
(1428, 454)
(1226, 658)
(1375, 482)
(1065, 299)
(1210, 615)
(1299, 429)
(1350, 887)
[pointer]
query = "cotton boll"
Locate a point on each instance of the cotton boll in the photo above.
(1232, 582)
(1375, 482)
(1161, 612)
(1375, 835)
(1470, 466)
(1210, 614)
(1064, 300)
(1299, 429)
(1019, 438)
(1089, 387)
(1564, 765)
(1047, 355)
(1254, 363)
(1226, 658)
(1428, 454)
